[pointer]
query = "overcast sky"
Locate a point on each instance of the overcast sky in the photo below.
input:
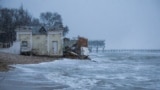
(124, 24)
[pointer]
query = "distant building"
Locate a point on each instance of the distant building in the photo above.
(40, 40)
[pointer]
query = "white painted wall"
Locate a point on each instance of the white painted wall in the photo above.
(15, 49)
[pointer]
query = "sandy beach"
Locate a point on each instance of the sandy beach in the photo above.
(7, 59)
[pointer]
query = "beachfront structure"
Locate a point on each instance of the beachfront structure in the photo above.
(96, 44)
(40, 40)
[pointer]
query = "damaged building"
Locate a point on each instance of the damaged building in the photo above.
(50, 42)
(76, 48)
(40, 40)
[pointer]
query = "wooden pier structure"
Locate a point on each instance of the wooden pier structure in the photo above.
(96, 45)
(135, 50)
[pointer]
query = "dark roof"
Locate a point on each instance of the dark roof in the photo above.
(39, 30)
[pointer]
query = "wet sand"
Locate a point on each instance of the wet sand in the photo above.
(7, 59)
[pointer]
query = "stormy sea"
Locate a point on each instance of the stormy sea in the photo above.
(109, 70)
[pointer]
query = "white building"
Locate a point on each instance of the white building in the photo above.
(41, 41)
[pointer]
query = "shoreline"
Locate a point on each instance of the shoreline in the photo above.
(7, 59)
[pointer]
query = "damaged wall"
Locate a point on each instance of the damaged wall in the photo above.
(39, 46)
(55, 38)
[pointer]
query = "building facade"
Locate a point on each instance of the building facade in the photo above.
(41, 41)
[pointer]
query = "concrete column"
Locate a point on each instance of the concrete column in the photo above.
(62, 43)
(48, 43)
(17, 35)
(31, 40)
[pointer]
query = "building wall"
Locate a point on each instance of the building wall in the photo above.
(42, 44)
(25, 36)
(39, 44)
(55, 38)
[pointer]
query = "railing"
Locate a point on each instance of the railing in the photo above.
(5, 45)
(136, 50)
(96, 44)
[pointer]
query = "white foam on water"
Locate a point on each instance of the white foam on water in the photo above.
(78, 82)
(23, 68)
(73, 82)
(85, 74)
(117, 76)
(140, 78)
(100, 60)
